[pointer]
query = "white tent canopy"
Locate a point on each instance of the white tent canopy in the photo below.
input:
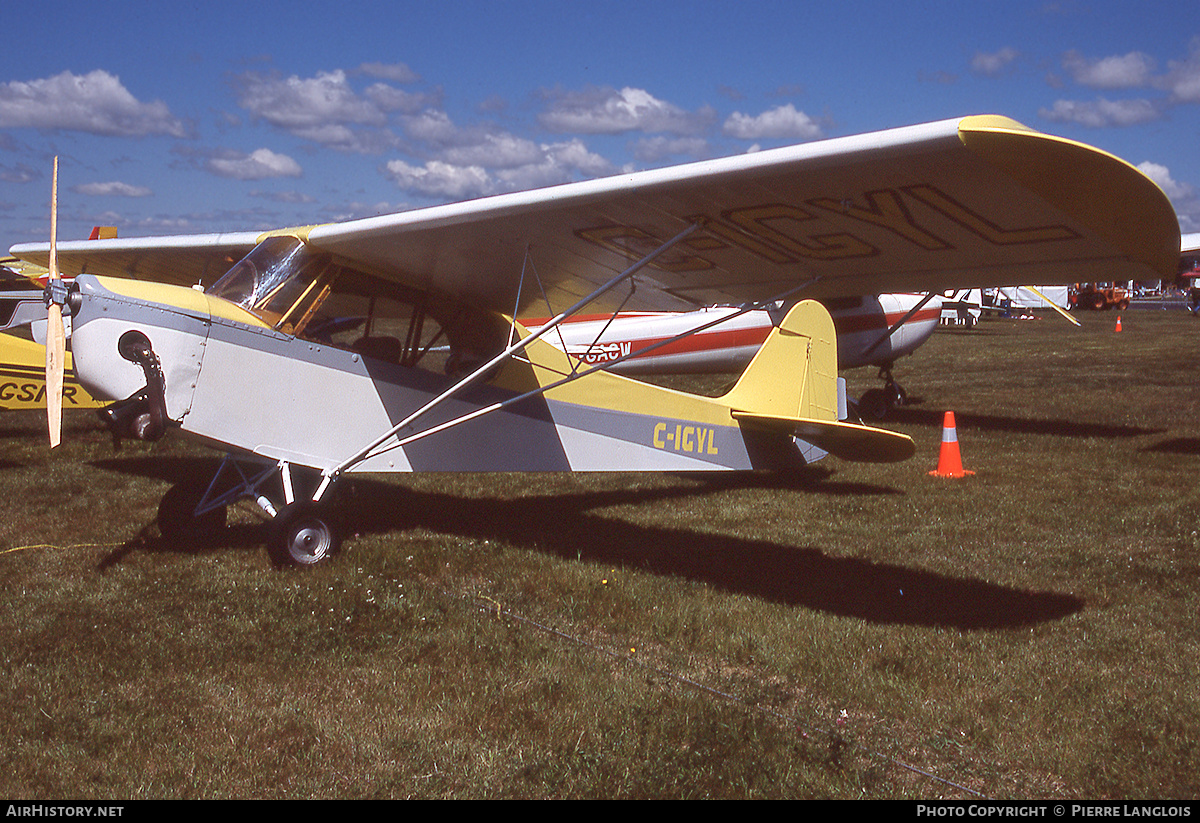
(1025, 297)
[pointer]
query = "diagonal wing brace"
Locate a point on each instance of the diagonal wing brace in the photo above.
(329, 475)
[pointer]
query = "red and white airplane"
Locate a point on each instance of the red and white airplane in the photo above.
(872, 330)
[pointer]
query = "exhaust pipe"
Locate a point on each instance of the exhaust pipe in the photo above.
(142, 415)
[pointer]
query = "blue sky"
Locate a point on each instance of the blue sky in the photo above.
(190, 117)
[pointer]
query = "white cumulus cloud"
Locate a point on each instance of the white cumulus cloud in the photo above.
(991, 64)
(112, 189)
(556, 163)
(782, 122)
(1182, 79)
(1182, 195)
(395, 72)
(259, 164)
(1102, 113)
(96, 103)
(440, 179)
(1127, 71)
(609, 111)
(1162, 176)
(324, 109)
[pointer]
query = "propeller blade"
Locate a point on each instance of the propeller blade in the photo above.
(56, 340)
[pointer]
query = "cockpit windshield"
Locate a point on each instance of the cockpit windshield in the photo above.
(308, 294)
(281, 281)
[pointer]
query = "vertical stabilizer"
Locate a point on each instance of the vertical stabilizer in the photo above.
(794, 374)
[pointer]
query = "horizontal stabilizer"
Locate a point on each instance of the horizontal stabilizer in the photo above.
(849, 441)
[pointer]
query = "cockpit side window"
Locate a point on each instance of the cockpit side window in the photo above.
(382, 321)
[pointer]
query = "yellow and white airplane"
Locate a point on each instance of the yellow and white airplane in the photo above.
(265, 365)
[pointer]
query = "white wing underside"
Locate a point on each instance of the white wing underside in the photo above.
(960, 203)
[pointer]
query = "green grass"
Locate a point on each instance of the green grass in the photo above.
(857, 631)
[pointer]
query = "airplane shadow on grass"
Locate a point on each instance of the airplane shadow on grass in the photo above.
(572, 525)
(1177, 445)
(1005, 423)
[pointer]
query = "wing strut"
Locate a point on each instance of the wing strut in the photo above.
(908, 316)
(576, 375)
(329, 475)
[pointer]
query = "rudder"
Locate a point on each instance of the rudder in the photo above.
(794, 373)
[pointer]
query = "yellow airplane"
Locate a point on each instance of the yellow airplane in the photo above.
(267, 362)
(22, 353)
(23, 378)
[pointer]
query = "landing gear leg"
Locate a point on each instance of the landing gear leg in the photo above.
(302, 532)
(895, 392)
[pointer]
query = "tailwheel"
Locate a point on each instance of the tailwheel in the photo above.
(178, 520)
(302, 534)
(879, 403)
(874, 404)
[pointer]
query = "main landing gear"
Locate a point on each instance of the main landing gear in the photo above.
(301, 533)
(879, 403)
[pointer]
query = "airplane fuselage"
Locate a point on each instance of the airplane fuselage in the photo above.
(231, 381)
(862, 326)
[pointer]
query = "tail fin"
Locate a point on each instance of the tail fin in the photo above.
(790, 388)
(794, 374)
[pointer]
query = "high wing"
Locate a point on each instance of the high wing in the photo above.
(977, 201)
(181, 260)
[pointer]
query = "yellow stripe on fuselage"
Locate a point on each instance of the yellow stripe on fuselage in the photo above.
(192, 301)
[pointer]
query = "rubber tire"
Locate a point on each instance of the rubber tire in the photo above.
(874, 404)
(177, 521)
(302, 535)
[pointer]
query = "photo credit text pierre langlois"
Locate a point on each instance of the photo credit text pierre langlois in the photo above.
(1060, 810)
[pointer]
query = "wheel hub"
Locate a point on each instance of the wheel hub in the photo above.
(310, 542)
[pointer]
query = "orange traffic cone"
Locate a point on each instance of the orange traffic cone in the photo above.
(1118, 328)
(949, 460)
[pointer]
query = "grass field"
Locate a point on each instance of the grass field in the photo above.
(855, 632)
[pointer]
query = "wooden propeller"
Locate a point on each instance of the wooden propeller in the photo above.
(56, 342)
